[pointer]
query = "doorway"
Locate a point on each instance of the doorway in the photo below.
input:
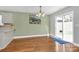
(64, 26)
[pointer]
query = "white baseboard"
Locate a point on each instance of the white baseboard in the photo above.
(16, 37)
(51, 35)
(76, 44)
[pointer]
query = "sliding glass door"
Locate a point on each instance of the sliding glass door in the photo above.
(64, 26)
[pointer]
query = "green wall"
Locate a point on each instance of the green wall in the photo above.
(23, 28)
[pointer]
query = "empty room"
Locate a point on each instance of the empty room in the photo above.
(39, 28)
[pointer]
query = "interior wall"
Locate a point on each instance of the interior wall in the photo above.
(23, 28)
(75, 9)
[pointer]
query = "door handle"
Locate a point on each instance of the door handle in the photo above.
(60, 31)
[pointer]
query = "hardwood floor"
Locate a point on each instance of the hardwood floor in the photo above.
(36, 44)
(30, 45)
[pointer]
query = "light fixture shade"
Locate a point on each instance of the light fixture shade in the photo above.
(40, 14)
(43, 14)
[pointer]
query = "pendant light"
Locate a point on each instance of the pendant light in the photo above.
(40, 13)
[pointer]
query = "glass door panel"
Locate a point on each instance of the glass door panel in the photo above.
(58, 27)
(68, 28)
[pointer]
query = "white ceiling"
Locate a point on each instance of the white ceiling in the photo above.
(32, 9)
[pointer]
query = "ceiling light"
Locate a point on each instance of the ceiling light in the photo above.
(40, 13)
